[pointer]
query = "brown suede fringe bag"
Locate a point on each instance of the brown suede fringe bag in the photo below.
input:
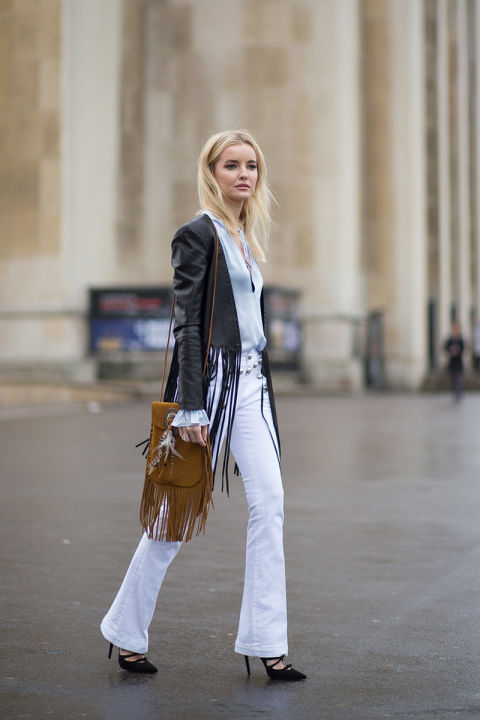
(177, 492)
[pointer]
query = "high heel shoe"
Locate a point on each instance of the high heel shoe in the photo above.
(287, 673)
(142, 665)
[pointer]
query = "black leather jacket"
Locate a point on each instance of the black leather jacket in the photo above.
(193, 261)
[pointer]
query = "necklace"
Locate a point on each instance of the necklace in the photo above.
(244, 246)
(247, 255)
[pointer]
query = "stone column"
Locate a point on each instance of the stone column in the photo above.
(159, 158)
(35, 319)
(406, 363)
(476, 198)
(91, 69)
(444, 190)
(463, 264)
(334, 295)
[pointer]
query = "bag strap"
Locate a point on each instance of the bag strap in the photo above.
(211, 321)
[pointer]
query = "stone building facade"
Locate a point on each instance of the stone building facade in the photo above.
(368, 112)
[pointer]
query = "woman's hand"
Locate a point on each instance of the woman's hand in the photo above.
(195, 433)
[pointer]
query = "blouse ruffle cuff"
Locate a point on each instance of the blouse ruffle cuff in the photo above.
(183, 418)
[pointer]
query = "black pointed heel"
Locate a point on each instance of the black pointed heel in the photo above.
(142, 665)
(287, 673)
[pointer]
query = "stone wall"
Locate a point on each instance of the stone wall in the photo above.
(361, 107)
(30, 180)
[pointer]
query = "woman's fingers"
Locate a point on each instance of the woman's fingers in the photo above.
(195, 433)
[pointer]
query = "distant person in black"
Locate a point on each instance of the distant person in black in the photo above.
(476, 347)
(454, 348)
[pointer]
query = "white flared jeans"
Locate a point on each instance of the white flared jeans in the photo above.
(262, 629)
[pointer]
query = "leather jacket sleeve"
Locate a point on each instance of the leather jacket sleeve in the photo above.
(190, 261)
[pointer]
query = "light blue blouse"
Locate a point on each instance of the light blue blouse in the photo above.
(246, 291)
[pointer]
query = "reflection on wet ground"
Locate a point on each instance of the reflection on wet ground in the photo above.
(382, 544)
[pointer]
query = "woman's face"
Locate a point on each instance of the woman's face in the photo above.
(236, 173)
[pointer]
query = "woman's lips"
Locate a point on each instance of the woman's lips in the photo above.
(242, 187)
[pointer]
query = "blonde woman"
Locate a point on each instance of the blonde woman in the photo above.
(234, 402)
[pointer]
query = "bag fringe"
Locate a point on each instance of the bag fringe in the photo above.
(170, 512)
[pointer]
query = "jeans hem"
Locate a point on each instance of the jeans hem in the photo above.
(255, 651)
(121, 642)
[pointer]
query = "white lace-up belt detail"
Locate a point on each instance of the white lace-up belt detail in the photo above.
(251, 364)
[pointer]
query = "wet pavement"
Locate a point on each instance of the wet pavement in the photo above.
(382, 542)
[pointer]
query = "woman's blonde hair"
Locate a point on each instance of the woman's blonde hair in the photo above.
(255, 215)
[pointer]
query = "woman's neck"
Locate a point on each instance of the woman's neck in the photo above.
(235, 209)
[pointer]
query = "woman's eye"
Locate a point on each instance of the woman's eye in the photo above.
(230, 167)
